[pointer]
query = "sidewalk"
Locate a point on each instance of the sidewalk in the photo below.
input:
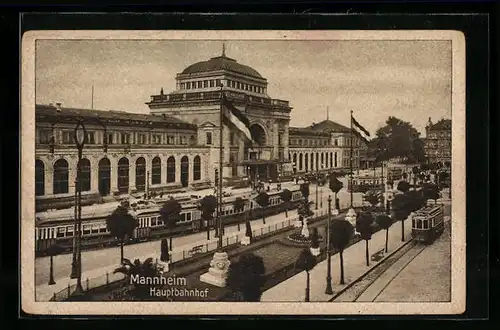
(292, 290)
(97, 276)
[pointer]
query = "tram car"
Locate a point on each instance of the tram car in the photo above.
(58, 229)
(428, 223)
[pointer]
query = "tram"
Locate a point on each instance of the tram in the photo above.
(428, 223)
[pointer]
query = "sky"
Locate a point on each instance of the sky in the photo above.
(375, 79)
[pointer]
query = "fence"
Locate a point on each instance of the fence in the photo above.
(88, 284)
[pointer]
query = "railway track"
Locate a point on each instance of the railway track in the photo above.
(368, 287)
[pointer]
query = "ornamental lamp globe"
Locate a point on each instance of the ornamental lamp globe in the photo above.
(80, 133)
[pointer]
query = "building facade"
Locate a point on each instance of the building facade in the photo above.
(323, 146)
(123, 153)
(197, 100)
(438, 141)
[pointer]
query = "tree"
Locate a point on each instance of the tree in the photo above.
(245, 277)
(341, 233)
(170, 214)
(164, 256)
(314, 238)
(403, 186)
(384, 222)
(263, 200)
(306, 261)
(364, 228)
(286, 197)
(147, 269)
(335, 186)
(415, 170)
(400, 206)
(121, 225)
(239, 205)
(305, 209)
(372, 197)
(415, 200)
(304, 189)
(207, 206)
(248, 230)
(398, 139)
(52, 251)
(431, 191)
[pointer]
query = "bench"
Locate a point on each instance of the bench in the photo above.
(196, 249)
(378, 255)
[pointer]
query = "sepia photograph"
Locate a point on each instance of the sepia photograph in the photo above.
(243, 172)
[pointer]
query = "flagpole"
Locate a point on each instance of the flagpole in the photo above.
(350, 162)
(219, 208)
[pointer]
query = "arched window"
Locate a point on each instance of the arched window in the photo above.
(295, 160)
(318, 165)
(140, 174)
(39, 178)
(123, 179)
(171, 169)
(300, 162)
(61, 185)
(184, 171)
(197, 168)
(323, 160)
(104, 176)
(306, 161)
(331, 159)
(156, 171)
(85, 174)
(335, 162)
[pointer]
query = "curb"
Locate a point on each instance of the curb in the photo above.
(348, 286)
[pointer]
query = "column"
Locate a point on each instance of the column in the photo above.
(190, 169)
(94, 175)
(72, 164)
(131, 175)
(177, 169)
(113, 173)
(49, 179)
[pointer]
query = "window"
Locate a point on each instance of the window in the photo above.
(90, 138)
(110, 138)
(171, 169)
(188, 85)
(44, 135)
(67, 137)
(212, 83)
(183, 85)
(156, 138)
(205, 83)
(60, 232)
(200, 84)
(123, 178)
(39, 178)
(125, 138)
(231, 138)
(156, 171)
(140, 174)
(238, 84)
(170, 139)
(209, 138)
(60, 180)
(183, 139)
(86, 229)
(141, 138)
(217, 82)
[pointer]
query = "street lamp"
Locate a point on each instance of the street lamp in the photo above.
(328, 289)
(80, 135)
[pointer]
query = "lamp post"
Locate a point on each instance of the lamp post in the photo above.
(328, 289)
(80, 136)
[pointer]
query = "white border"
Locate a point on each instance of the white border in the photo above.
(458, 283)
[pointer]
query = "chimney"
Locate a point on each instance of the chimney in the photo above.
(58, 106)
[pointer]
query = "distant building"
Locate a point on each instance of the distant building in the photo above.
(324, 145)
(123, 153)
(438, 141)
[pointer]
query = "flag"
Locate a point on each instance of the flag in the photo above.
(359, 130)
(234, 117)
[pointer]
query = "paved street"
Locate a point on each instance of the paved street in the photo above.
(426, 278)
(292, 290)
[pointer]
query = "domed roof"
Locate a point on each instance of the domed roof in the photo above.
(221, 63)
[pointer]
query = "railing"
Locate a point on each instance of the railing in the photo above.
(88, 284)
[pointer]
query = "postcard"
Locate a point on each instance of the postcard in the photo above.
(243, 172)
